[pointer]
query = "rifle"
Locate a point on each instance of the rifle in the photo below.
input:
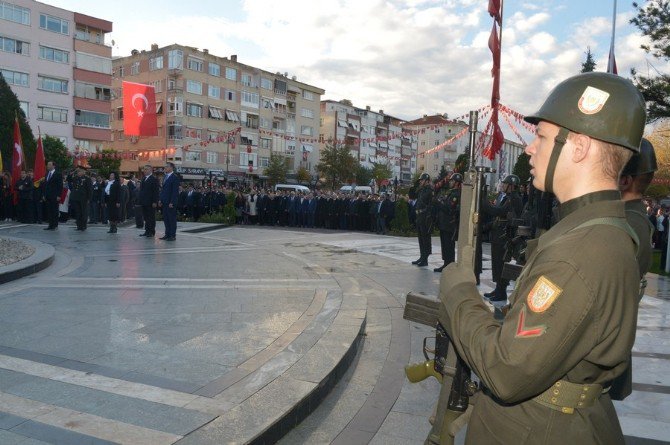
(447, 366)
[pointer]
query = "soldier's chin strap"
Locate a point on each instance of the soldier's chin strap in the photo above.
(559, 142)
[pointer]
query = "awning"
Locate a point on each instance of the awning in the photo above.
(232, 116)
(307, 148)
(280, 100)
(342, 123)
(215, 113)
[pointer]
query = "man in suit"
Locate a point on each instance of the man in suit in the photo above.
(168, 202)
(149, 191)
(53, 186)
(80, 195)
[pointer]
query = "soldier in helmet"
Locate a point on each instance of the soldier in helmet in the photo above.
(448, 213)
(508, 206)
(424, 219)
(547, 368)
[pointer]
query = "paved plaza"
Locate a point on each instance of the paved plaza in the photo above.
(234, 335)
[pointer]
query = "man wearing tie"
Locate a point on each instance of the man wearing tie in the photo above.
(53, 187)
(149, 191)
(168, 202)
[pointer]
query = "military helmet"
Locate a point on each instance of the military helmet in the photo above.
(600, 105)
(642, 162)
(456, 177)
(424, 177)
(512, 179)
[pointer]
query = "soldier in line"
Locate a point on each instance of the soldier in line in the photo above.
(424, 219)
(26, 188)
(80, 195)
(448, 215)
(508, 206)
(547, 368)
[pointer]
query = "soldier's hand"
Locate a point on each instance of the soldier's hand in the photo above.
(456, 274)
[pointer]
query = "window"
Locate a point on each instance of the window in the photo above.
(195, 64)
(193, 109)
(267, 103)
(14, 46)
(193, 133)
(54, 55)
(213, 91)
(435, 167)
(192, 156)
(214, 69)
(119, 113)
(212, 157)
(175, 59)
(248, 139)
(267, 83)
(306, 130)
(215, 113)
(51, 114)
(159, 107)
(248, 80)
(91, 119)
(307, 95)
(229, 95)
(51, 84)
(97, 64)
(264, 162)
(25, 108)
(122, 71)
(306, 112)
(135, 68)
(158, 86)
(266, 143)
(174, 131)
(193, 86)
(15, 77)
(14, 13)
(250, 120)
(175, 106)
(212, 136)
(54, 24)
(265, 123)
(250, 99)
(92, 91)
(247, 159)
(231, 73)
(436, 155)
(290, 125)
(278, 125)
(156, 63)
(232, 116)
(81, 33)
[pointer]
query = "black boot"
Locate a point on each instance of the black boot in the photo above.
(439, 269)
(423, 263)
(418, 261)
(498, 294)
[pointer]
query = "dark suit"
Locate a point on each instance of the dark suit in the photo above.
(80, 195)
(53, 187)
(149, 191)
(168, 199)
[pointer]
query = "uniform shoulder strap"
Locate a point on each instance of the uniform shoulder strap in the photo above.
(616, 222)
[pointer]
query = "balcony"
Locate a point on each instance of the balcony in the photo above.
(175, 72)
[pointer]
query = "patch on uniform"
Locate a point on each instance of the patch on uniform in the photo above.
(543, 294)
(523, 331)
(592, 100)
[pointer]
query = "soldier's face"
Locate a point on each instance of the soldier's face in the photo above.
(540, 150)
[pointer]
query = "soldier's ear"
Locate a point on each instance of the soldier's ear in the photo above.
(581, 146)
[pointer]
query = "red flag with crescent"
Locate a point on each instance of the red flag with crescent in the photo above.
(139, 110)
(17, 160)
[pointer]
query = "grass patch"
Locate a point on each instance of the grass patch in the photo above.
(656, 263)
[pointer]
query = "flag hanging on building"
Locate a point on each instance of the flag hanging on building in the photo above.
(139, 110)
(17, 159)
(39, 171)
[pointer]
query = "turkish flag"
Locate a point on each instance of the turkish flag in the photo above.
(494, 10)
(139, 110)
(494, 46)
(39, 172)
(17, 159)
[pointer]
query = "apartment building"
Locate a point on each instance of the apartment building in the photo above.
(57, 63)
(372, 137)
(216, 115)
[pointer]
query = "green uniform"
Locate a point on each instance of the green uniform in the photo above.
(572, 322)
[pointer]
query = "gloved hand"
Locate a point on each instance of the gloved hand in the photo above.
(458, 273)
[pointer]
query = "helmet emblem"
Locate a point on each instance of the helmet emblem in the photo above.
(592, 100)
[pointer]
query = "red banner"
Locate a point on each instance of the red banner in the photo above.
(139, 110)
(39, 172)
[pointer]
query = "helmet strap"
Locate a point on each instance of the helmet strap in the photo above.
(559, 142)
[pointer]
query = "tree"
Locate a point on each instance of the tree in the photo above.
(56, 151)
(276, 170)
(589, 64)
(107, 161)
(9, 110)
(381, 171)
(653, 20)
(303, 176)
(443, 173)
(522, 167)
(462, 163)
(347, 102)
(400, 224)
(337, 165)
(660, 139)
(363, 175)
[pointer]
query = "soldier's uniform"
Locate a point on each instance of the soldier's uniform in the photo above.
(424, 220)
(80, 195)
(448, 213)
(547, 368)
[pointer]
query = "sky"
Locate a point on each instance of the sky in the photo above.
(406, 57)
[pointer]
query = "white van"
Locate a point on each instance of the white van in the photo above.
(292, 188)
(357, 189)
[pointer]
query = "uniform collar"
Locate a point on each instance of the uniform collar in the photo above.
(569, 207)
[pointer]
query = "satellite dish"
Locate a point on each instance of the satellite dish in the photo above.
(113, 42)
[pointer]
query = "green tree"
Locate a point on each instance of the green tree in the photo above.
(107, 161)
(653, 20)
(400, 223)
(276, 170)
(589, 64)
(9, 110)
(56, 151)
(363, 174)
(337, 165)
(462, 163)
(381, 171)
(522, 167)
(443, 173)
(303, 176)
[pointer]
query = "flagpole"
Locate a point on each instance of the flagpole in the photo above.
(610, 62)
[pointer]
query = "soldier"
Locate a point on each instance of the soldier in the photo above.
(545, 370)
(424, 219)
(26, 188)
(633, 182)
(80, 195)
(508, 206)
(448, 213)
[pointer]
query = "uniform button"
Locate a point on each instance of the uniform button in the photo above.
(580, 404)
(556, 392)
(586, 388)
(583, 396)
(558, 383)
(553, 400)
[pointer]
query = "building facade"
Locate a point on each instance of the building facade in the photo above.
(372, 137)
(58, 64)
(216, 115)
